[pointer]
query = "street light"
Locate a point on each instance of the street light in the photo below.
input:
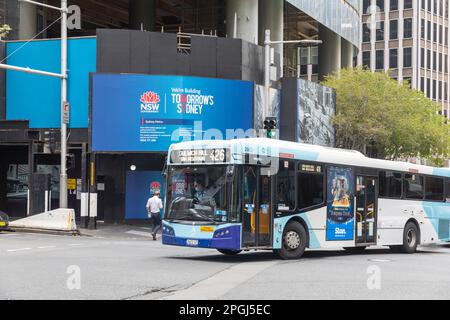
(65, 112)
(267, 44)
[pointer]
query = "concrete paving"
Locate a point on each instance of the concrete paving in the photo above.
(132, 266)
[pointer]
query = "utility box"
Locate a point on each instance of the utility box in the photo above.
(40, 193)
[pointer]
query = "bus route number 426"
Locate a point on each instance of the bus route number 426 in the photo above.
(217, 155)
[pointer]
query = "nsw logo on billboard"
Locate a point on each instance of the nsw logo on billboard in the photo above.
(155, 186)
(150, 102)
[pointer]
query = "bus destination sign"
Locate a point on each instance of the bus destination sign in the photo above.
(200, 156)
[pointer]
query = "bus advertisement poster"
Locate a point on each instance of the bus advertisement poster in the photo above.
(340, 217)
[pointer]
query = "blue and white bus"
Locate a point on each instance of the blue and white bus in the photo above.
(265, 194)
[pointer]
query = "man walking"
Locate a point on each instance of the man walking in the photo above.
(154, 205)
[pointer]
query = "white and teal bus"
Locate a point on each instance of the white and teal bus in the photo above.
(263, 194)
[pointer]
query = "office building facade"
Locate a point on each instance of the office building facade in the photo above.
(410, 38)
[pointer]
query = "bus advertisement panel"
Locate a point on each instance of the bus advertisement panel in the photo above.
(340, 218)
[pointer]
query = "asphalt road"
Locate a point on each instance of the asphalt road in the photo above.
(34, 266)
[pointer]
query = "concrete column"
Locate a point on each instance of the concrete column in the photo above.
(242, 20)
(329, 52)
(3, 184)
(27, 20)
(346, 54)
(271, 16)
(2, 83)
(142, 15)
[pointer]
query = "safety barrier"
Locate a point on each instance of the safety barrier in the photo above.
(55, 220)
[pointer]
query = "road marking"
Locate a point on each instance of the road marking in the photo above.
(46, 247)
(222, 282)
(380, 260)
(16, 250)
(74, 244)
(139, 233)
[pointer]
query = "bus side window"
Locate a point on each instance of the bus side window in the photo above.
(434, 188)
(310, 186)
(286, 186)
(414, 186)
(447, 188)
(390, 184)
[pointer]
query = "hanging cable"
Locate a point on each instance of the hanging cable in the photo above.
(19, 48)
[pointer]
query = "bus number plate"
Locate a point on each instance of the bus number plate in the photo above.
(192, 243)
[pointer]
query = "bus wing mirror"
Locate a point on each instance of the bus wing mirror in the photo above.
(230, 171)
(164, 171)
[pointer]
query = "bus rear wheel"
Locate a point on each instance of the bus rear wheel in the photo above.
(229, 252)
(294, 242)
(411, 238)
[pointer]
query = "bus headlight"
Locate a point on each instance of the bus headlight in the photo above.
(222, 233)
(168, 231)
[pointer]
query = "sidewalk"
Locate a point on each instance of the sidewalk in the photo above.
(140, 231)
(120, 231)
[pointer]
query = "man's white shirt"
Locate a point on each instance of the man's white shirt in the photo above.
(154, 204)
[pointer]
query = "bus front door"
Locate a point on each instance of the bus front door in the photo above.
(256, 218)
(366, 209)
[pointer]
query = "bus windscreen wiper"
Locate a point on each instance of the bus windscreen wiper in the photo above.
(206, 217)
(190, 216)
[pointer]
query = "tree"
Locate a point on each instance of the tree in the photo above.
(4, 30)
(374, 112)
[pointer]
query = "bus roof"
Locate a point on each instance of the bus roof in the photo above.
(308, 152)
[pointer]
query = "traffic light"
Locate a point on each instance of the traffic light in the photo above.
(270, 125)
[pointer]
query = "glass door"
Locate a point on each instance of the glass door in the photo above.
(250, 183)
(264, 216)
(366, 209)
(256, 218)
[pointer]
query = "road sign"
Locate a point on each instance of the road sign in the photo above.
(71, 184)
(66, 112)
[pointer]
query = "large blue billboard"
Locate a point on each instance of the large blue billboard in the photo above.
(138, 113)
(38, 98)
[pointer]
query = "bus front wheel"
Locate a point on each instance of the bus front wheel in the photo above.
(229, 252)
(294, 242)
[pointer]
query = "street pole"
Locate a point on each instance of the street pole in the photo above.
(267, 44)
(31, 71)
(63, 175)
(310, 70)
(267, 69)
(64, 104)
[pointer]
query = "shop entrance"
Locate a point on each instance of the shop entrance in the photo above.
(124, 182)
(14, 170)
